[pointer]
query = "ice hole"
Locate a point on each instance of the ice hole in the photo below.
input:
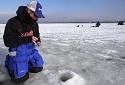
(66, 76)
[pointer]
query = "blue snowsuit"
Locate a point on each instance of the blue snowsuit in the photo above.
(19, 58)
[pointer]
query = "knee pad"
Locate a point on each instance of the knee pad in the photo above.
(19, 80)
(35, 69)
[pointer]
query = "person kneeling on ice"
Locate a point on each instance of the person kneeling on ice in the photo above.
(21, 35)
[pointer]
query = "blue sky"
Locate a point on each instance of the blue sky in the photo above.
(70, 10)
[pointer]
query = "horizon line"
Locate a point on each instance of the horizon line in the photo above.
(81, 22)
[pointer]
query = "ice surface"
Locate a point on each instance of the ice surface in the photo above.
(83, 55)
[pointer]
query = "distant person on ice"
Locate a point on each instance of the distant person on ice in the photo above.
(20, 35)
(97, 24)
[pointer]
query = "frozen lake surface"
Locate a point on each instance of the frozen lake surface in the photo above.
(81, 55)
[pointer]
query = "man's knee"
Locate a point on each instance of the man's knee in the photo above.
(19, 80)
(36, 69)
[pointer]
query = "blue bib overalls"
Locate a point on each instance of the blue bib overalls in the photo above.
(19, 58)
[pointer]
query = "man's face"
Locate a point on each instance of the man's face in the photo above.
(32, 15)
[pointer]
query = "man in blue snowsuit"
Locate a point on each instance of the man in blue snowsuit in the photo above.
(20, 35)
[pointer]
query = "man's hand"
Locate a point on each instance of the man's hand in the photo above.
(34, 39)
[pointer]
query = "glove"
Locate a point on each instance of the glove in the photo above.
(38, 43)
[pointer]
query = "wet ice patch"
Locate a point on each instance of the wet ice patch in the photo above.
(2, 76)
(3, 73)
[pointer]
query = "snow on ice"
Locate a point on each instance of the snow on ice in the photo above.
(74, 55)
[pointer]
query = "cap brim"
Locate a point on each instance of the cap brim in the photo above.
(43, 16)
(39, 15)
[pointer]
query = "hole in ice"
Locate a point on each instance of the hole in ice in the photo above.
(66, 76)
